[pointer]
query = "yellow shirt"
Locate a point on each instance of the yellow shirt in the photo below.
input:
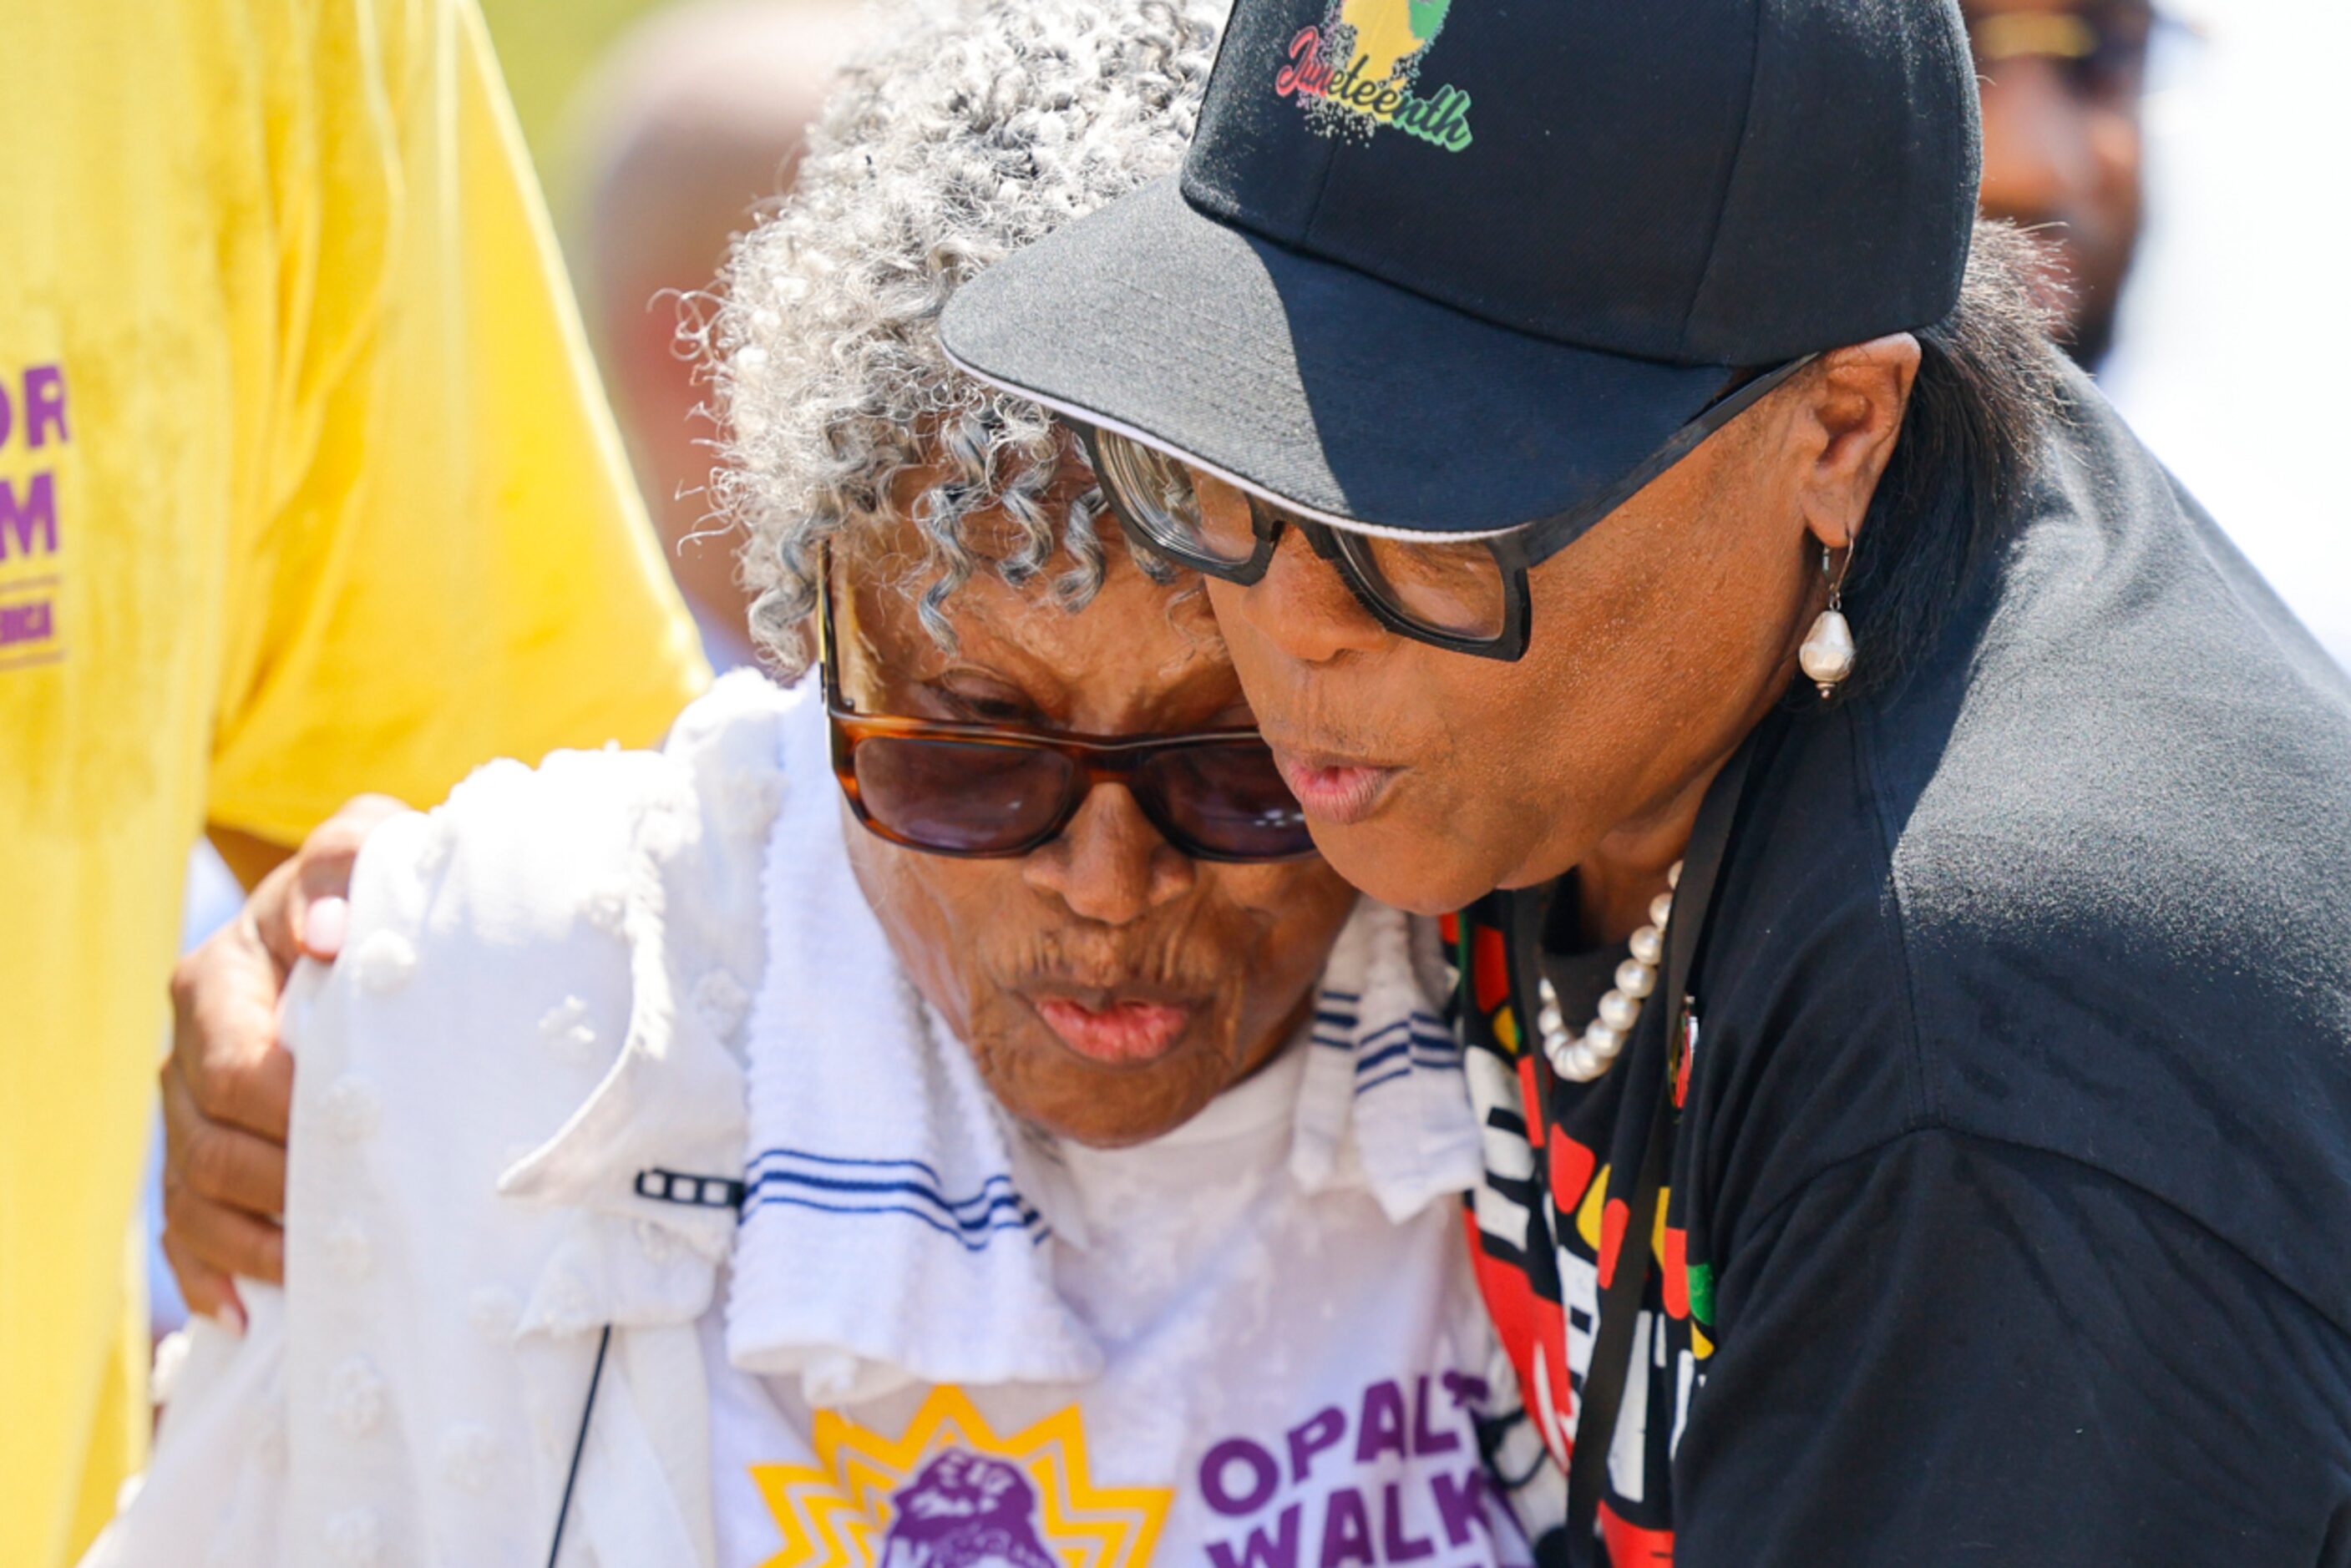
(305, 489)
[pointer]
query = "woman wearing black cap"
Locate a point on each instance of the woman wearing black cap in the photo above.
(1902, 854)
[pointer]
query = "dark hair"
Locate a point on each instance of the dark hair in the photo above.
(1988, 390)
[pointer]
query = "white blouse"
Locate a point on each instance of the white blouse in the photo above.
(1289, 1377)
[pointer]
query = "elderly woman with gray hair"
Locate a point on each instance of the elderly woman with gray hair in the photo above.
(942, 1113)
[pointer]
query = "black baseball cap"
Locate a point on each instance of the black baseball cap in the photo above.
(1455, 265)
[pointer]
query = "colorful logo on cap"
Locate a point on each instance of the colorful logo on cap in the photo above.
(1359, 69)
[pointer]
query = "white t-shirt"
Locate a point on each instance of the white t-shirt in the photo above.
(1290, 1381)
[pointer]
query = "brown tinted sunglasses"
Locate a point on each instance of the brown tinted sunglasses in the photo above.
(987, 791)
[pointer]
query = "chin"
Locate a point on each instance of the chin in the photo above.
(1038, 1080)
(1418, 870)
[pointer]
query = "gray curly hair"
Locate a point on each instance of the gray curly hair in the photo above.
(967, 130)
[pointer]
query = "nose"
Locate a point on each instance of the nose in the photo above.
(1303, 608)
(1110, 865)
(2039, 160)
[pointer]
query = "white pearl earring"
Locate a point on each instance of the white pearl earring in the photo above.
(1827, 654)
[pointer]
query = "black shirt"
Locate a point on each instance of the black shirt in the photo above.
(2009, 1217)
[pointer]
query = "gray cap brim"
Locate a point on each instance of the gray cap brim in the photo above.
(1348, 398)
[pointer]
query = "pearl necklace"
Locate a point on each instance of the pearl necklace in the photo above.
(1586, 1057)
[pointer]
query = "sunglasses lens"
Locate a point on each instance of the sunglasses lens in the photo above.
(961, 796)
(1193, 518)
(1455, 590)
(1226, 802)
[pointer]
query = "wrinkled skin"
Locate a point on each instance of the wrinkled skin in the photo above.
(1108, 910)
(1658, 639)
(2063, 146)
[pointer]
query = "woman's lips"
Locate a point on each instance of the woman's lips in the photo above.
(1120, 1032)
(1331, 789)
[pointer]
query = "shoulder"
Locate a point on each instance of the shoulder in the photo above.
(540, 856)
(538, 904)
(549, 971)
(2084, 885)
(2127, 734)
(541, 996)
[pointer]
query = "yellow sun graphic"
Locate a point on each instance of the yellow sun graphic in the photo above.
(837, 1513)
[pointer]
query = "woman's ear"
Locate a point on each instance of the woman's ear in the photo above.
(1849, 414)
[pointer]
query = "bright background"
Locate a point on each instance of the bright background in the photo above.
(2233, 357)
(548, 47)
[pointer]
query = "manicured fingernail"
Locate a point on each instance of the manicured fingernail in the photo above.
(323, 926)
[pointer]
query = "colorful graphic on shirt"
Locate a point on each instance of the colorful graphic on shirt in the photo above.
(950, 1493)
(32, 425)
(1359, 70)
(1548, 1230)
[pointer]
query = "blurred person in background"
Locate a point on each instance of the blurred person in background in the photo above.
(304, 490)
(2227, 353)
(2216, 300)
(2061, 84)
(697, 116)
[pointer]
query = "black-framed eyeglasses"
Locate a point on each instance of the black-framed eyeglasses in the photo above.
(1469, 595)
(996, 791)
